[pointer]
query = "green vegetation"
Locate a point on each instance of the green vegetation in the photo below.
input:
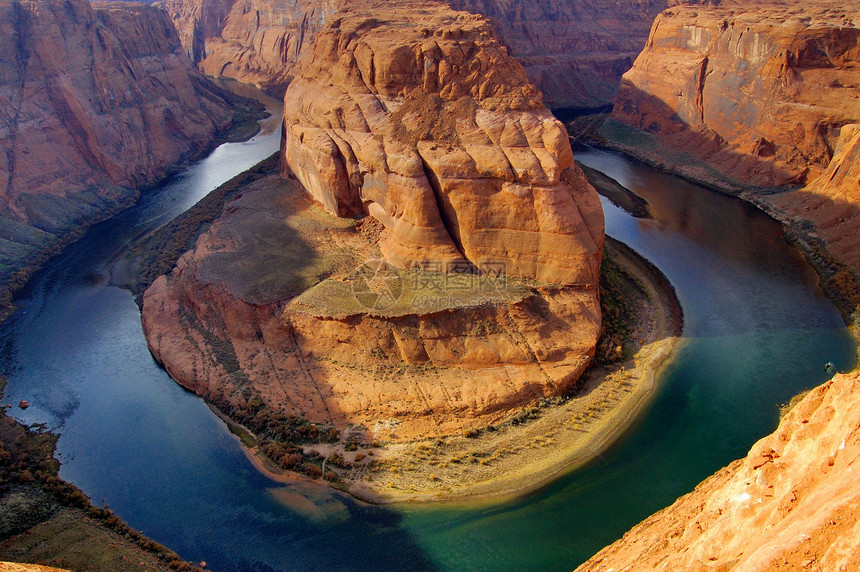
(620, 294)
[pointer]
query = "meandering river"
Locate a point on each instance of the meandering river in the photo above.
(757, 331)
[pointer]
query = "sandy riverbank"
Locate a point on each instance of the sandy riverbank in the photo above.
(514, 459)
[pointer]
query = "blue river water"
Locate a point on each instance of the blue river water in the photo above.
(757, 331)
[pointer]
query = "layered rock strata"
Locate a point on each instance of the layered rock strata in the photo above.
(753, 94)
(238, 318)
(758, 90)
(575, 52)
(95, 100)
(422, 141)
(421, 119)
(791, 504)
(254, 41)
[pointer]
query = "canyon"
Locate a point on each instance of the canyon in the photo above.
(574, 52)
(98, 100)
(422, 257)
(761, 99)
(454, 184)
(755, 97)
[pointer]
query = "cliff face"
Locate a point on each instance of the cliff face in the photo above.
(95, 100)
(255, 41)
(756, 89)
(415, 121)
(755, 93)
(575, 52)
(436, 132)
(792, 503)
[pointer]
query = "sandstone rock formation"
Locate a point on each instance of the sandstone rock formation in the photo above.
(764, 87)
(95, 100)
(228, 325)
(420, 118)
(791, 504)
(757, 93)
(417, 123)
(575, 52)
(254, 41)
(832, 201)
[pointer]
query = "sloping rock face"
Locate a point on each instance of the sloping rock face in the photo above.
(574, 51)
(94, 101)
(254, 41)
(420, 118)
(757, 89)
(792, 503)
(832, 201)
(421, 140)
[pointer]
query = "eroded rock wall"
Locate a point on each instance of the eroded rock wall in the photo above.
(95, 100)
(417, 137)
(573, 51)
(254, 41)
(758, 90)
(419, 117)
(792, 503)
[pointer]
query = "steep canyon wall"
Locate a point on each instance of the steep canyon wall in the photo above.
(95, 101)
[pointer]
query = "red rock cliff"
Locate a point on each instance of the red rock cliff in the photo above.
(96, 100)
(791, 504)
(574, 51)
(419, 123)
(420, 118)
(757, 93)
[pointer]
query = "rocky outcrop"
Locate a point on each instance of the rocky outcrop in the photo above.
(419, 117)
(267, 305)
(831, 202)
(574, 52)
(758, 90)
(791, 504)
(753, 94)
(422, 140)
(95, 100)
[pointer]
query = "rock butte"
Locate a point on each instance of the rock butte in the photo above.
(97, 100)
(764, 94)
(792, 503)
(574, 51)
(421, 119)
(417, 118)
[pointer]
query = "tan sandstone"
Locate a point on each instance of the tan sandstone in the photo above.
(791, 504)
(419, 124)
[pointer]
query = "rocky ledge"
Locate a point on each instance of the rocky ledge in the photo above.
(790, 504)
(422, 142)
